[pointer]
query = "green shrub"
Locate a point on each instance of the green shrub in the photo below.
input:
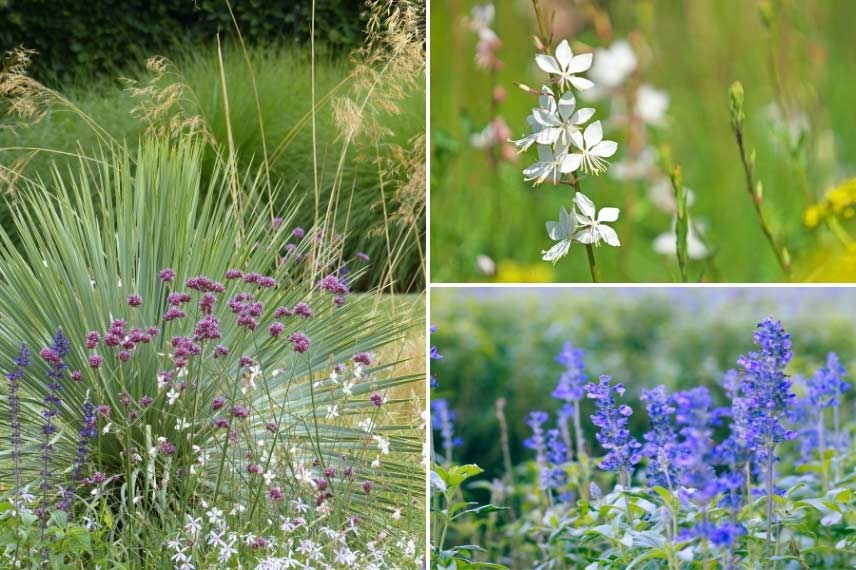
(99, 36)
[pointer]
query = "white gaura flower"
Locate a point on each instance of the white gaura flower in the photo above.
(172, 396)
(593, 229)
(566, 65)
(651, 104)
(551, 165)
(593, 149)
(562, 232)
(613, 65)
(560, 121)
(553, 122)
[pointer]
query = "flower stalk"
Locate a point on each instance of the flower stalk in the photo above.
(755, 190)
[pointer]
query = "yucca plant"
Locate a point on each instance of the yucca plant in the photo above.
(242, 400)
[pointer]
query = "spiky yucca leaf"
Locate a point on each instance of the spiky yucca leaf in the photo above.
(92, 236)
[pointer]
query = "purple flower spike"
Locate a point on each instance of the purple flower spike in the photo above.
(623, 451)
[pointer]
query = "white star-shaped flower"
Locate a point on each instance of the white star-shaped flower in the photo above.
(562, 232)
(593, 149)
(593, 229)
(560, 121)
(566, 65)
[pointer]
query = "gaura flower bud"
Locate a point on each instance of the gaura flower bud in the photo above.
(735, 103)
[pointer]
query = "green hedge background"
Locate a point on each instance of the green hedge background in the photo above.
(75, 37)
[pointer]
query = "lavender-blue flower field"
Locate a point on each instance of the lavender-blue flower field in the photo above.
(757, 471)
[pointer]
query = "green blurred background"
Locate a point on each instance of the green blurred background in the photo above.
(696, 49)
(501, 343)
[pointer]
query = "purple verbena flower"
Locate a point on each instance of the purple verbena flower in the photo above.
(299, 342)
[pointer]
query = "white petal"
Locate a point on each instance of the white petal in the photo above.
(580, 63)
(586, 235)
(593, 134)
(548, 63)
(534, 171)
(553, 230)
(604, 149)
(582, 116)
(545, 118)
(571, 163)
(545, 153)
(567, 105)
(577, 140)
(548, 136)
(526, 142)
(585, 205)
(567, 223)
(608, 214)
(547, 100)
(564, 54)
(556, 252)
(608, 235)
(581, 83)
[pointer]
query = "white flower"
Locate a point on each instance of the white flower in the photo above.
(552, 123)
(382, 444)
(26, 495)
(182, 424)
(107, 427)
(651, 104)
(551, 165)
(346, 388)
(214, 515)
(396, 514)
(269, 477)
(593, 149)
(613, 65)
(593, 230)
(172, 396)
(332, 411)
(562, 232)
(366, 424)
(565, 64)
(485, 265)
(376, 462)
(667, 243)
(192, 526)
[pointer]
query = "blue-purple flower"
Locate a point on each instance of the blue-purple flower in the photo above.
(623, 451)
(661, 441)
(828, 383)
(443, 420)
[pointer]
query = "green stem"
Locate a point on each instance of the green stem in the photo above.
(595, 272)
(756, 203)
(542, 29)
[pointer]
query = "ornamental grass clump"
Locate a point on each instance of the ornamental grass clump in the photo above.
(218, 393)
